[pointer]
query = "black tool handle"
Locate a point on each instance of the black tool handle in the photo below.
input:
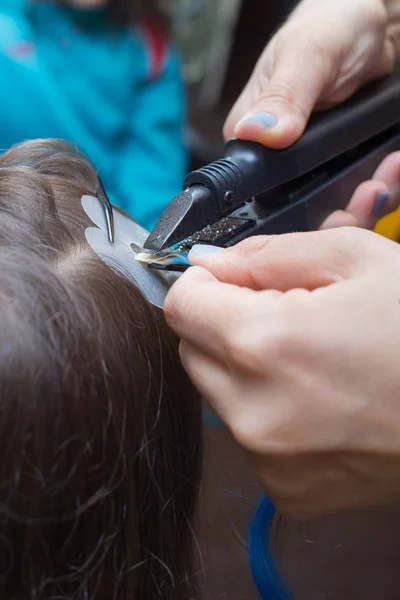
(249, 169)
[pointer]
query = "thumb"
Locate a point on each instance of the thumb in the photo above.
(296, 260)
(276, 104)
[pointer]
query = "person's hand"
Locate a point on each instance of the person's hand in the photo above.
(295, 342)
(323, 53)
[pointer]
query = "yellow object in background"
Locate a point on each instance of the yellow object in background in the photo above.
(389, 226)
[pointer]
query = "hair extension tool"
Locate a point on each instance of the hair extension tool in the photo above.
(254, 190)
(118, 240)
(164, 260)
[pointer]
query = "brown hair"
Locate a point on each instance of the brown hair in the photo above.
(100, 430)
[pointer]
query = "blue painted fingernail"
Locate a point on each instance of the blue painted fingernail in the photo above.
(380, 204)
(267, 120)
(199, 249)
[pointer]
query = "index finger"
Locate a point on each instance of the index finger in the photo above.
(204, 311)
(296, 260)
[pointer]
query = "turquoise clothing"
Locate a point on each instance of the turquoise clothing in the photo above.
(114, 91)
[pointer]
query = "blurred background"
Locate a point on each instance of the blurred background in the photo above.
(220, 42)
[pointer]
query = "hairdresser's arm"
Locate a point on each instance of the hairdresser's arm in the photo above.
(323, 53)
(294, 340)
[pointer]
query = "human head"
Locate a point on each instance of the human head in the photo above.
(100, 430)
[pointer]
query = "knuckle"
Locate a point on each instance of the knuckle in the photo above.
(254, 245)
(288, 338)
(266, 339)
(268, 432)
(281, 92)
(253, 347)
(243, 347)
(393, 48)
(315, 46)
(375, 16)
(249, 430)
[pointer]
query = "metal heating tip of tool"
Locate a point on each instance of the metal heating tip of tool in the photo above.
(189, 211)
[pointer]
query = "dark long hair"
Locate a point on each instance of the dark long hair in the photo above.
(100, 430)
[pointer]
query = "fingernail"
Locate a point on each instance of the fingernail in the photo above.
(201, 249)
(267, 120)
(380, 204)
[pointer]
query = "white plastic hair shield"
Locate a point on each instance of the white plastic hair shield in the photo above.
(120, 256)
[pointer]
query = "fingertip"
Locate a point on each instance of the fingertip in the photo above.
(389, 169)
(363, 201)
(206, 258)
(205, 255)
(381, 204)
(200, 250)
(231, 264)
(279, 134)
(339, 218)
(371, 201)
